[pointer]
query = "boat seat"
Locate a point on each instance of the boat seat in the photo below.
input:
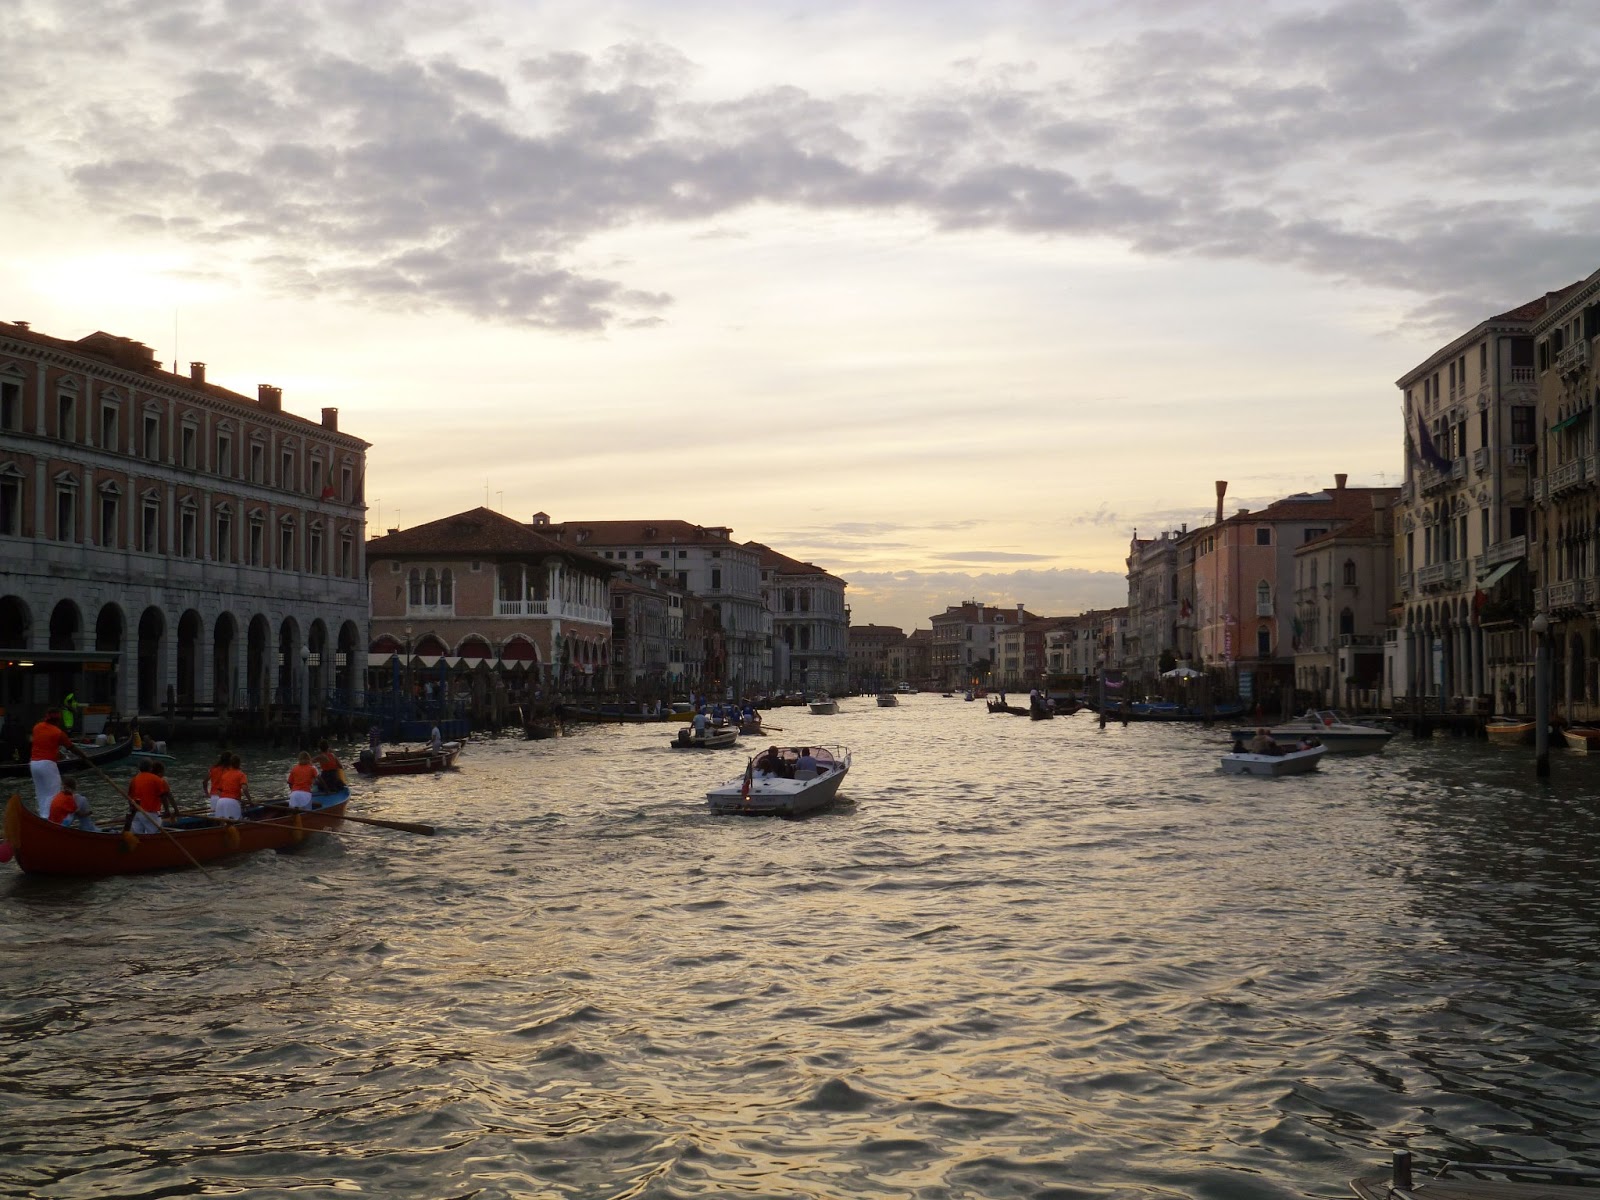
(802, 775)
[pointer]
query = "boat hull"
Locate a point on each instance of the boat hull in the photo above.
(98, 758)
(888, 701)
(771, 796)
(716, 739)
(408, 762)
(825, 708)
(45, 849)
(1297, 762)
(1582, 740)
(1510, 733)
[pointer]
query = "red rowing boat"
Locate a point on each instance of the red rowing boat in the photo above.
(45, 849)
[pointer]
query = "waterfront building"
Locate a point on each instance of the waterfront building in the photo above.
(877, 656)
(1152, 566)
(646, 611)
(171, 545)
(966, 641)
(810, 622)
(480, 590)
(1567, 559)
(918, 649)
(1023, 654)
(1186, 624)
(1470, 422)
(1080, 647)
(1244, 579)
(1344, 584)
(705, 560)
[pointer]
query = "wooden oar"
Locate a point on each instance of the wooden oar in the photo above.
(95, 767)
(402, 826)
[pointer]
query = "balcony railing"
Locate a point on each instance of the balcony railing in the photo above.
(1480, 460)
(1591, 591)
(551, 608)
(1505, 551)
(1403, 583)
(1408, 492)
(1445, 574)
(1522, 375)
(1574, 359)
(1360, 639)
(1264, 609)
(1518, 456)
(1566, 477)
(1538, 491)
(1562, 595)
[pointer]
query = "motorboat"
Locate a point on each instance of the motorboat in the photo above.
(1331, 728)
(1509, 731)
(719, 738)
(787, 791)
(1583, 739)
(1291, 762)
(824, 706)
(887, 700)
(1479, 1180)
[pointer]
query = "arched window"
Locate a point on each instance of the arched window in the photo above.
(447, 594)
(414, 589)
(1349, 572)
(1263, 597)
(1264, 642)
(1347, 622)
(430, 589)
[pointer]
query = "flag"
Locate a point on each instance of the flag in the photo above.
(1430, 453)
(749, 776)
(1185, 609)
(1478, 601)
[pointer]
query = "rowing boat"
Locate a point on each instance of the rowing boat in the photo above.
(97, 757)
(409, 762)
(45, 849)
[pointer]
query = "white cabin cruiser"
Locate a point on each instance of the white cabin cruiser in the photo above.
(1331, 728)
(783, 788)
(1293, 762)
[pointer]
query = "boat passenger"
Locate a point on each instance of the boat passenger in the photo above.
(331, 776)
(805, 762)
(1238, 744)
(771, 762)
(1263, 743)
(436, 742)
(302, 778)
(224, 761)
(48, 741)
(233, 786)
(71, 810)
(700, 723)
(150, 798)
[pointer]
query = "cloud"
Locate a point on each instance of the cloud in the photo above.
(997, 556)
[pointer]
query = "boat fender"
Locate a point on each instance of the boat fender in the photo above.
(130, 841)
(231, 837)
(13, 821)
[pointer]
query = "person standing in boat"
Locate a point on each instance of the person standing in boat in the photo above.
(302, 778)
(435, 741)
(149, 800)
(49, 739)
(331, 777)
(233, 788)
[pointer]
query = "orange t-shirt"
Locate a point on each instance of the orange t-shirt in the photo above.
(62, 806)
(214, 779)
(301, 777)
(48, 740)
(230, 784)
(146, 789)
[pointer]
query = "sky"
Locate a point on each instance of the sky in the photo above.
(949, 299)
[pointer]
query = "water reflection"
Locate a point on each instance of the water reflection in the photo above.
(1029, 959)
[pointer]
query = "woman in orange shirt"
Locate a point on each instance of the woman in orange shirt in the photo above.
(150, 795)
(214, 774)
(233, 787)
(302, 777)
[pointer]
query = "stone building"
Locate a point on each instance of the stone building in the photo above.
(171, 545)
(810, 622)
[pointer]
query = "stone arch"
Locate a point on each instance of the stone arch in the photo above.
(16, 623)
(317, 663)
(224, 637)
(349, 648)
(191, 628)
(152, 643)
(285, 690)
(66, 624)
(110, 627)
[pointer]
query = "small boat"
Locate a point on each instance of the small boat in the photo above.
(45, 849)
(408, 762)
(97, 756)
(948, 695)
(1292, 762)
(967, 695)
(824, 706)
(758, 793)
(1479, 1181)
(1329, 727)
(1000, 706)
(1509, 731)
(719, 738)
(1583, 739)
(536, 731)
(750, 726)
(1041, 712)
(887, 700)
(681, 710)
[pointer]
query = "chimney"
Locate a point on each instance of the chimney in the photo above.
(20, 324)
(1222, 490)
(394, 529)
(1338, 482)
(197, 372)
(330, 419)
(1379, 501)
(269, 397)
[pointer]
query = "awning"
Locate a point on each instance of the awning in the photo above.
(379, 660)
(429, 660)
(1499, 573)
(1572, 420)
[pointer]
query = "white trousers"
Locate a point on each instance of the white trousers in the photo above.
(46, 783)
(299, 799)
(226, 808)
(146, 822)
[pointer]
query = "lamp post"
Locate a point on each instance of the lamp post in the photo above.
(406, 699)
(305, 692)
(1541, 696)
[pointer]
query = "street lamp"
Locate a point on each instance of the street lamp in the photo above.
(1540, 627)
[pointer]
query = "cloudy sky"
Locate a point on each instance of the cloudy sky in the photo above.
(946, 297)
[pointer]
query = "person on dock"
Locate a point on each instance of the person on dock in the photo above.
(149, 799)
(49, 739)
(302, 778)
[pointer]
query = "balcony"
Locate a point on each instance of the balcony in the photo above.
(1359, 639)
(1505, 551)
(1538, 491)
(1263, 610)
(1566, 478)
(551, 608)
(1439, 575)
(1574, 360)
(1562, 595)
(1591, 591)
(1408, 492)
(1522, 375)
(1480, 460)
(1517, 456)
(1403, 583)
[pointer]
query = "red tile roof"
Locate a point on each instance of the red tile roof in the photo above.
(638, 533)
(781, 563)
(481, 533)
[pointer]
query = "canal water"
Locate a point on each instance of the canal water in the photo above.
(1027, 959)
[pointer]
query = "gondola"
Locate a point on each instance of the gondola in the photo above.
(408, 762)
(41, 848)
(97, 758)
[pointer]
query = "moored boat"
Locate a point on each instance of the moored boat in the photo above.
(408, 762)
(1509, 731)
(1583, 739)
(719, 738)
(1293, 762)
(45, 849)
(1330, 728)
(887, 700)
(788, 792)
(97, 756)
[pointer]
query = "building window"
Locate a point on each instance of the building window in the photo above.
(108, 427)
(1347, 623)
(716, 579)
(347, 482)
(11, 503)
(258, 462)
(1522, 418)
(1349, 573)
(316, 479)
(430, 589)
(347, 565)
(108, 520)
(286, 546)
(447, 589)
(224, 454)
(187, 439)
(66, 513)
(150, 527)
(10, 404)
(286, 471)
(314, 551)
(1263, 597)
(1264, 642)
(152, 436)
(1312, 534)
(1263, 535)
(222, 551)
(66, 416)
(255, 547)
(188, 534)
(414, 589)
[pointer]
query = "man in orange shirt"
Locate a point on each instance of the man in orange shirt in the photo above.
(302, 778)
(233, 786)
(151, 797)
(48, 741)
(72, 810)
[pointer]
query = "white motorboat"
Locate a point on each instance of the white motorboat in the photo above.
(887, 700)
(1329, 727)
(1293, 762)
(719, 738)
(824, 706)
(787, 791)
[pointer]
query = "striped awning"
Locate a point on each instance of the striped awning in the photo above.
(380, 660)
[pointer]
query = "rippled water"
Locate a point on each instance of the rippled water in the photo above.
(1027, 960)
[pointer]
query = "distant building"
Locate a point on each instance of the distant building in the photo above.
(1152, 603)
(877, 656)
(966, 645)
(168, 542)
(810, 622)
(1343, 584)
(918, 650)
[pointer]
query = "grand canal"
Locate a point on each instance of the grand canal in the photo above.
(1027, 960)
